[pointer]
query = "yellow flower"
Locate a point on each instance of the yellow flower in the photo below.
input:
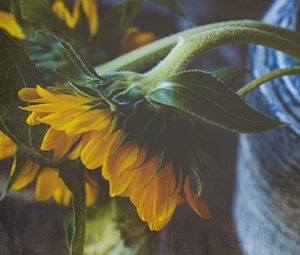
(125, 166)
(7, 147)
(155, 196)
(71, 120)
(71, 18)
(8, 23)
(134, 38)
(49, 184)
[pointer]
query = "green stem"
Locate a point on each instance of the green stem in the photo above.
(265, 78)
(73, 176)
(144, 58)
(188, 47)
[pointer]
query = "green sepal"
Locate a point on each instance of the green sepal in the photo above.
(230, 74)
(72, 173)
(22, 162)
(202, 96)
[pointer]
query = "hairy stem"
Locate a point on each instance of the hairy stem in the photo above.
(265, 78)
(189, 47)
(144, 58)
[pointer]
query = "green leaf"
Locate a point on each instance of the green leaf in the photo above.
(21, 163)
(75, 58)
(202, 96)
(16, 72)
(72, 173)
(172, 5)
(229, 74)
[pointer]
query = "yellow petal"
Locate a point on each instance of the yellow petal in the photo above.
(63, 147)
(196, 203)
(95, 149)
(60, 120)
(8, 23)
(90, 10)
(63, 13)
(62, 195)
(91, 193)
(156, 202)
(135, 177)
(27, 176)
(28, 94)
(7, 146)
(119, 160)
(34, 118)
(47, 182)
(75, 153)
(88, 121)
(51, 138)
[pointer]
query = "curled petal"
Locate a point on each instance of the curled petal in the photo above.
(91, 12)
(63, 13)
(47, 182)
(156, 202)
(27, 176)
(117, 160)
(196, 203)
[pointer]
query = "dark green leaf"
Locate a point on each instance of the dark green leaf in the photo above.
(72, 173)
(16, 72)
(172, 5)
(78, 61)
(229, 74)
(202, 96)
(21, 163)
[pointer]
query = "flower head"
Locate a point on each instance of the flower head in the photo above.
(136, 145)
(48, 182)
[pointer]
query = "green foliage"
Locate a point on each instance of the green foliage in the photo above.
(202, 96)
(21, 163)
(115, 228)
(17, 71)
(72, 173)
(229, 74)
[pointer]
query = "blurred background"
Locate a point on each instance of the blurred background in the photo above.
(27, 227)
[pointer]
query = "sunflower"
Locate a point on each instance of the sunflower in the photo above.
(154, 188)
(48, 182)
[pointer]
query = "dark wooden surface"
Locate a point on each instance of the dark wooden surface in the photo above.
(31, 228)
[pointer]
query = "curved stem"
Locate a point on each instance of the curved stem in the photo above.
(143, 58)
(265, 78)
(187, 48)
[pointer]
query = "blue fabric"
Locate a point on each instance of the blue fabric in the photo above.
(267, 198)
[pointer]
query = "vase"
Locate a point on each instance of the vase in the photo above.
(266, 206)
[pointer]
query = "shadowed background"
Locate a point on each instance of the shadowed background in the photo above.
(27, 227)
